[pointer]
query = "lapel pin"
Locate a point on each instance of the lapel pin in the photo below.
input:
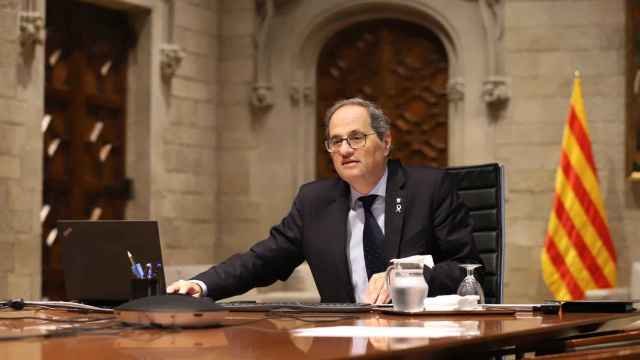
(398, 205)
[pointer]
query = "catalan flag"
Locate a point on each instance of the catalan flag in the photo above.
(578, 253)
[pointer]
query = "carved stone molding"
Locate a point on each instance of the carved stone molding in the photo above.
(295, 94)
(308, 94)
(171, 56)
(261, 96)
(31, 25)
(496, 91)
(299, 94)
(493, 22)
(455, 90)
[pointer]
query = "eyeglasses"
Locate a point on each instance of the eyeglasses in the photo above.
(355, 140)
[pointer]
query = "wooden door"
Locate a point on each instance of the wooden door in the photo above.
(84, 124)
(402, 67)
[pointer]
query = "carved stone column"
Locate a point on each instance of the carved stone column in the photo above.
(262, 90)
(171, 54)
(496, 88)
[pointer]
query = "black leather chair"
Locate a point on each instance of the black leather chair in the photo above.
(482, 190)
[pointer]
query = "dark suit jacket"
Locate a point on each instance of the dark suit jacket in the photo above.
(432, 220)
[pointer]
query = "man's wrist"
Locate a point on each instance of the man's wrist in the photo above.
(201, 284)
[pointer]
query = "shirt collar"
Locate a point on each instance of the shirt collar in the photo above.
(380, 189)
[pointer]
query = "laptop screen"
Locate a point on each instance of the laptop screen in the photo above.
(94, 257)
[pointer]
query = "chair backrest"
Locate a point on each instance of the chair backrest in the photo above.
(482, 190)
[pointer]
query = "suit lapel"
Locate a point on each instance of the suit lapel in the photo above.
(395, 207)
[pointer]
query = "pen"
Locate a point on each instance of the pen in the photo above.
(133, 264)
(135, 267)
(139, 271)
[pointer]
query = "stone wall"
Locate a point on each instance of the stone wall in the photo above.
(238, 210)
(186, 178)
(21, 108)
(171, 138)
(219, 174)
(545, 41)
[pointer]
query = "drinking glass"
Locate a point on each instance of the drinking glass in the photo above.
(470, 285)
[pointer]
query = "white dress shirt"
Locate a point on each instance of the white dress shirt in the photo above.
(355, 228)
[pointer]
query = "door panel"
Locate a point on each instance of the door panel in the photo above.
(84, 150)
(402, 67)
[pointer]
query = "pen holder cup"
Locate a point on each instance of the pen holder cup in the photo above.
(143, 288)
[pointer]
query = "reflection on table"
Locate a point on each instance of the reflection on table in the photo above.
(293, 336)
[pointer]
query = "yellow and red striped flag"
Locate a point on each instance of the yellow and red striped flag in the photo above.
(578, 253)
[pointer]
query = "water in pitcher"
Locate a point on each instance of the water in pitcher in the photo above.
(408, 293)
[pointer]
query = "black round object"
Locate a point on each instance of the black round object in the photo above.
(16, 304)
(170, 303)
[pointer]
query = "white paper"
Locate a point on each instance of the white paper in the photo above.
(425, 260)
(431, 329)
(451, 302)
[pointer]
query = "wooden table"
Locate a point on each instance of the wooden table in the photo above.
(271, 338)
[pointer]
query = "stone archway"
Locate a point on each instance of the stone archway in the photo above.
(297, 34)
(332, 18)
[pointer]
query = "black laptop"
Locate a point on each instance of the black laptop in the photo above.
(96, 267)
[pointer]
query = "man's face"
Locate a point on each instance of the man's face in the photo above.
(362, 168)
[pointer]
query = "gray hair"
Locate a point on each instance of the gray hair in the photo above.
(379, 121)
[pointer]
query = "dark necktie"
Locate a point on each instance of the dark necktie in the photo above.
(372, 238)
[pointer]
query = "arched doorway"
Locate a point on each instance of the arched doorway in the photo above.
(401, 66)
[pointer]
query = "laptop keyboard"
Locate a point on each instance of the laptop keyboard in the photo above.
(297, 306)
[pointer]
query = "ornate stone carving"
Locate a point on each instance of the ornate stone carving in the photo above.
(31, 29)
(496, 90)
(295, 94)
(262, 97)
(302, 93)
(308, 94)
(171, 56)
(455, 90)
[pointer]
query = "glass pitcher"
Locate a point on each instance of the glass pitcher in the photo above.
(407, 286)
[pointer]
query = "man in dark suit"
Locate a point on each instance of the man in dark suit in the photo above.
(348, 228)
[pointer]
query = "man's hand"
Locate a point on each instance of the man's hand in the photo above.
(185, 287)
(377, 292)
